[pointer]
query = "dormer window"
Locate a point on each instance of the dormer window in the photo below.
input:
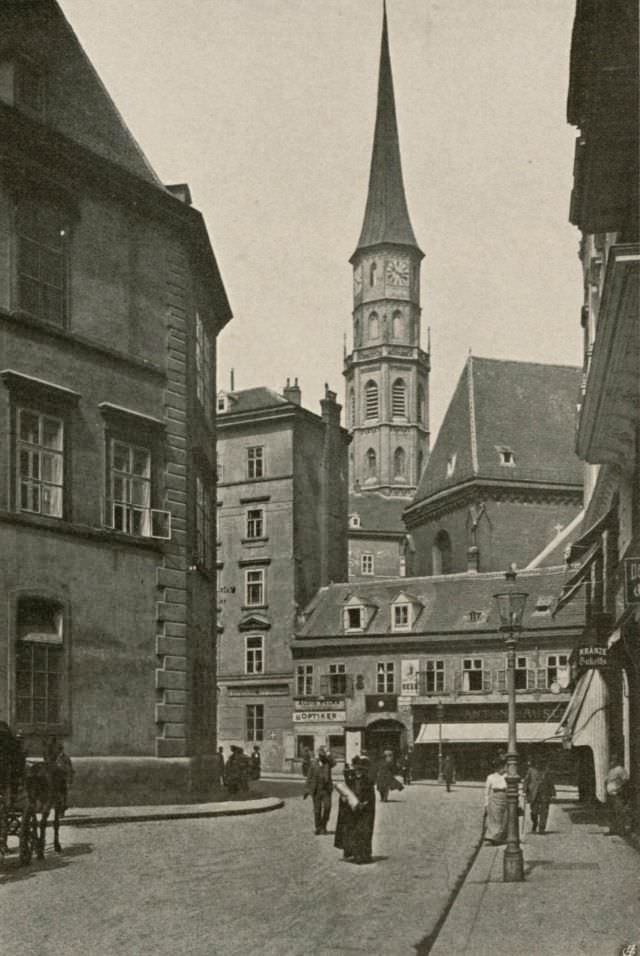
(507, 457)
(221, 402)
(543, 604)
(354, 520)
(404, 612)
(400, 617)
(353, 618)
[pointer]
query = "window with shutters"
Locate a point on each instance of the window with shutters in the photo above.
(304, 680)
(371, 400)
(385, 677)
(557, 670)
(399, 399)
(472, 675)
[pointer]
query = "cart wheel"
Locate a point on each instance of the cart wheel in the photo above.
(27, 836)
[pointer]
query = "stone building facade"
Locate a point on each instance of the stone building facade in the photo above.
(417, 661)
(282, 534)
(110, 303)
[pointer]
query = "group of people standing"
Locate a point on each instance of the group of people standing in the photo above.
(235, 773)
(538, 790)
(356, 807)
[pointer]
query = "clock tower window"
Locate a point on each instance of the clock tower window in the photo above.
(400, 464)
(374, 325)
(372, 273)
(398, 325)
(399, 399)
(371, 400)
(371, 464)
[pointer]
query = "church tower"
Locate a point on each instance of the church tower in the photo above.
(387, 373)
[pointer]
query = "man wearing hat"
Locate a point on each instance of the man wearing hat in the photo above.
(320, 787)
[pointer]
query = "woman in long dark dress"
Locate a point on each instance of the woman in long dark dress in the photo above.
(344, 823)
(364, 815)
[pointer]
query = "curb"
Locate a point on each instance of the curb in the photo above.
(155, 815)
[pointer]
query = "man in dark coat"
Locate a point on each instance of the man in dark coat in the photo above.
(344, 823)
(539, 791)
(232, 771)
(448, 771)
(320, 788)
(361, 830)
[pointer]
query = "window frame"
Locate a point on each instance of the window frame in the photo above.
(475, 671)
(261, 584)
(399, 399)
(59, 605)
(557, 667)
(437, 671)
(405, 608)
(255, 462)
(254, 722)
(304, 680)
(385, 677)
(250, 531)
(371, 400)
(367, 563)
(23, 447)
(337, 679)
(348, 611)
(254, 656)
(44, 252)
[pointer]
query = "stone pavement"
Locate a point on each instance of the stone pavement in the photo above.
(581, 895)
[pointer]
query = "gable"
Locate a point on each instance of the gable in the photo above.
(76, 103)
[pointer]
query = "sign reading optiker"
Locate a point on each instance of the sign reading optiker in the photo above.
(318, 716)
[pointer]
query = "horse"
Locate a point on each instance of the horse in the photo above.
(46, 784)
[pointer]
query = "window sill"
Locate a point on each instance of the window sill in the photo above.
(60, 526)
(254, 541)
(254, 607)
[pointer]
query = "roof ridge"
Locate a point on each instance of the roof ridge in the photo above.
(472, 417)
(509, 361)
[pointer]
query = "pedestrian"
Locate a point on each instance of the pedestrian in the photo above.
(361, 831)
(385, 777)
(320, 787)
(404, 765)
(344, 823)
(307, 757)
(244, 765)
(539, 791)
(232, 771)
(63, 762)
(256, 763)
(495, 803)
(448, 771)
(218, 769)
(615, 783)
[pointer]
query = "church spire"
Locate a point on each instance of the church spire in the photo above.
(386, 217)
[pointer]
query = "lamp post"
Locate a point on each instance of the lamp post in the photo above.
(440, 707)
(511, 605)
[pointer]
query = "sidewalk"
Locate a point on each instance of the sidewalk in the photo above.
(83, 816)
(580, 896)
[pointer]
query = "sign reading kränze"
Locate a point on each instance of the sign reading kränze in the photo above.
(319, 716)
(632, 581)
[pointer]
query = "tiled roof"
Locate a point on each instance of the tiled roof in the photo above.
(386, 217)
(252, 399)
(378, 512)
(525, 408)
(452, 603)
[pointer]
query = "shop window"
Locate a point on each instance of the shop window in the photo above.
(41, 246)
(40, 662)
(304, 743)
(254, 721)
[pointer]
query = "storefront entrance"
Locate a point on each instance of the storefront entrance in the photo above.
(384, 735)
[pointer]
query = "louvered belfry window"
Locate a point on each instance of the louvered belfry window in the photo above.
(399, 399)
(371, 400)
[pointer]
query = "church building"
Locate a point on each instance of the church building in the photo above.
(387, 372)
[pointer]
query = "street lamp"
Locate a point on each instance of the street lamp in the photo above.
(440, 712)
(510, 605)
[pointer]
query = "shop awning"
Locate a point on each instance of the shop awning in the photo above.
(585, 723)
(527, 732)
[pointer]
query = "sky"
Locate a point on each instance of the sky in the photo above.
(267, 107)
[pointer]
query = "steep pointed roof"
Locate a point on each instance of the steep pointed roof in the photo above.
(526, 409)
(386, 217)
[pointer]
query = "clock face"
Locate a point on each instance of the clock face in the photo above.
(398, 272)
(357, 280)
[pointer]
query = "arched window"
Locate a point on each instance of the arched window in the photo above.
(374, 326)
(420, 464)
(372, 273)
(40, 665)
(41, 236)
(441, 554)
(400, 464)
(399, 399)
(370, 465)
(397, 325)
(352, 408)
(371, 400)
(421, 405)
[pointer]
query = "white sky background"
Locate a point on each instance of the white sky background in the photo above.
(266, 108)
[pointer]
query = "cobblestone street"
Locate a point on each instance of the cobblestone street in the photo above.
(255, 884)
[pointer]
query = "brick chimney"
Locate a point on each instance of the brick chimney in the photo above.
(292, 393)
(330, 408)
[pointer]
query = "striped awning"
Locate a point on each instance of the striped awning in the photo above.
(528, 732)
(585, 723)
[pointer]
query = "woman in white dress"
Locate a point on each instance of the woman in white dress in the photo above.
(495, 803)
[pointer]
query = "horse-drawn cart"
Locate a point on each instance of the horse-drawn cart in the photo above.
(18, 819)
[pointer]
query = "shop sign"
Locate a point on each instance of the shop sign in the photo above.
(632, 581)
(409, 678)
(265, 690)
(319, 716)
(592, 656)
(380, 703)
(319, 703)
